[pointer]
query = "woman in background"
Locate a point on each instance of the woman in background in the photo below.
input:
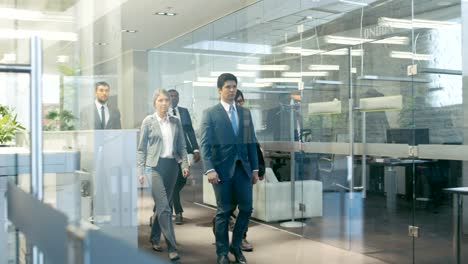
(162, 147)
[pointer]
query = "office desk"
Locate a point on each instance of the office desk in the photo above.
(389, 164)
(458, 192)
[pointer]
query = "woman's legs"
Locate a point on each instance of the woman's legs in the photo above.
(164, 178)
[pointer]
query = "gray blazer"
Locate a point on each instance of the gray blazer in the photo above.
(151, 143)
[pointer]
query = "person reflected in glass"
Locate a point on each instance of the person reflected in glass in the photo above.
(230, 160)
(101, 114)
(162, 148)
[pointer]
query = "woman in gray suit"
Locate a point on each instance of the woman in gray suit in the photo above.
(162, 147)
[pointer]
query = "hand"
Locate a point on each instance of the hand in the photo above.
(261, 177)
(213, 177)
(141, 179)
(186, 172)
(196, 156)
(254, 177)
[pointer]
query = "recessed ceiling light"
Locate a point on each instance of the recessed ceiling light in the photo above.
(165, 14)
(129, 31)
(100, 43)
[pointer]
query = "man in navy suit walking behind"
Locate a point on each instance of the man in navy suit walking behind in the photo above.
(229, 154)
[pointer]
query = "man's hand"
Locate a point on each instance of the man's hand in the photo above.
(196, 156)
(261, 177)
(141, 179)
(186, 172)
(254, 177)
(213, 177)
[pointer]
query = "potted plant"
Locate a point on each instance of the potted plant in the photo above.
(61, 120)
(8, 124)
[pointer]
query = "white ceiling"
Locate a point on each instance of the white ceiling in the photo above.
(154, 30)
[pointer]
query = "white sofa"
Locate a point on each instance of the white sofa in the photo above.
(272, 199)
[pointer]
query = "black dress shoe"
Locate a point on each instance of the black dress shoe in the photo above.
(246, 246)
(238, 255)
(223, 260)
(179, 219)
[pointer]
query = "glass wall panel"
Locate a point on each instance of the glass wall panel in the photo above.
(437, 112)
(383, 91)
(357, 105)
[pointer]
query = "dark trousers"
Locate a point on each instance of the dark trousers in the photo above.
(236, 188)
(233, 216)
(181, 181)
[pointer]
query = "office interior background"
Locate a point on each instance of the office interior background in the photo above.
(359, 107)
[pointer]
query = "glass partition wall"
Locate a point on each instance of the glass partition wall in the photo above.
(86, 173)
(375, 91)
(358, 106)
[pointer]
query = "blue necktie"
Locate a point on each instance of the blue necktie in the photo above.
(233, 119)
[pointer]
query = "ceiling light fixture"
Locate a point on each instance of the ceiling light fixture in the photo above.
(327, 82)
(8, 58)
(63, 58)
(230, 46)
(278, 80)
(6, 33)
(165, 14)
(129, 31)
(410, 55)
(392, 79)
(346, 40)
(354, 52)
(304, 74)
(354, 3)
(309, 52)
(319, 67)
(207, 79)
(393, 40)
(298, 50)
(415, 23)
(203, 84)
(236, 73)
(257, 67)
(31, 15)
(255, 85)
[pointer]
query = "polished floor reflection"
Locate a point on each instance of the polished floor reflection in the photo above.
(374, 232)
(272, 245)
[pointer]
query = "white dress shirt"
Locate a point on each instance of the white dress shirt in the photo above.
(171, 112)
(226, 107)
(168, 138)
(106, 111)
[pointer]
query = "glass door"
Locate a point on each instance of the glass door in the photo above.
(326, 145)
(14, 116)
(438, 127)
(383, 128)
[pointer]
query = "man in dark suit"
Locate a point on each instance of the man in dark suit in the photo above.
(192, 148)
(228, 148)
(100, 114)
